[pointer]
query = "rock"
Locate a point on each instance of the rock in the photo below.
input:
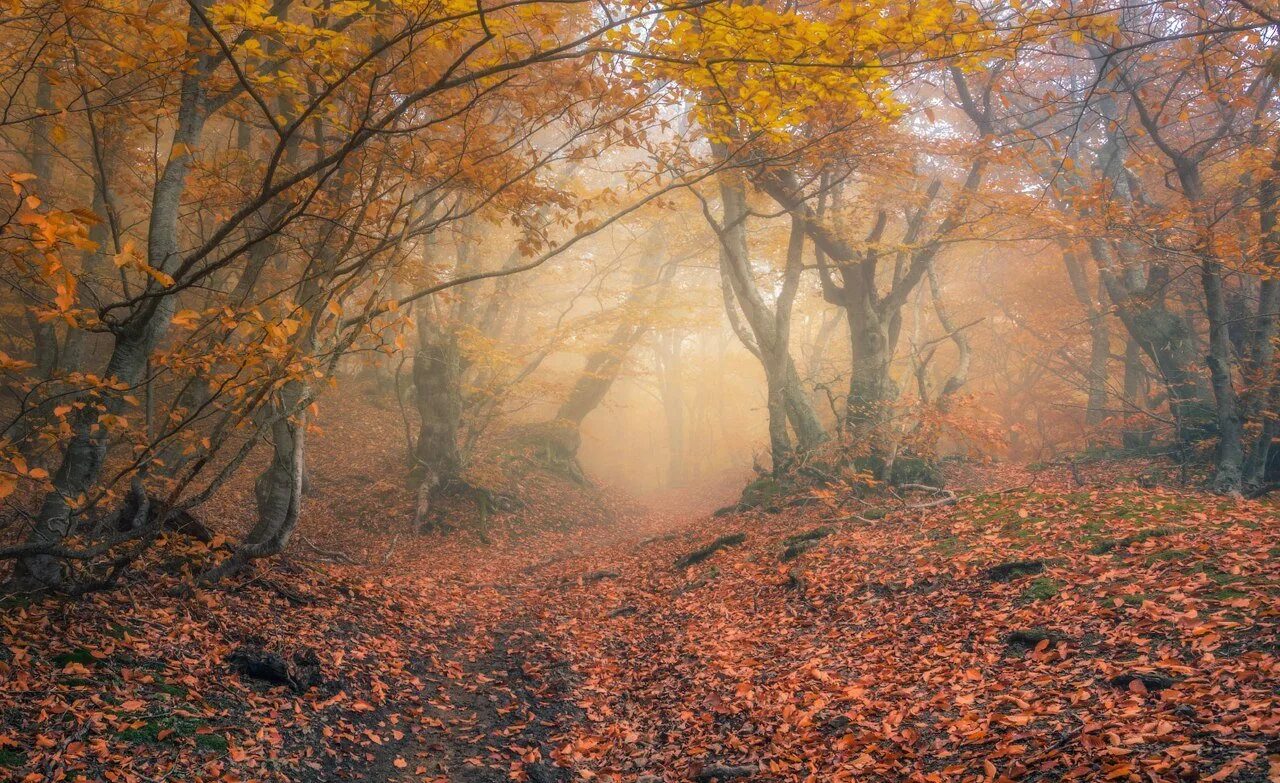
(299, 673)
(1150, 681)
(1007, 572)
(712, 773)
(1030, 637)
(702, 553)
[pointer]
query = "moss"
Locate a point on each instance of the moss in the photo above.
(702, 553)
(1041, 588)
(1022, 529)
(178, 728)
(809, 535)
(79, 655)
(1107, 544)
(915, 470)
(1167, 555)
(15, 601)
(764, 492)
(212, 742)
(950, 545)
(12, 758)
(1094, 526)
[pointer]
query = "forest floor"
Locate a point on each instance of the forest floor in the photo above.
(1044, 627)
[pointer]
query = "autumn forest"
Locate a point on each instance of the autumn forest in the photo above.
(640, 391)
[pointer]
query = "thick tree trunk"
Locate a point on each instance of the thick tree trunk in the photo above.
(278, 490)
(1264, 377)
(1229, 468)
(1140, 296)
(80, 468)
(1163, 336)
(767, 330)
(800, 413)
(871, 387)
(602, 369)
(605, 365)
(1135, 392)
(437, 381)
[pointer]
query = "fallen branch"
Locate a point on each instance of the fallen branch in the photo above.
(331, 554)
(391, 548)
(950, 497)
(702, 553)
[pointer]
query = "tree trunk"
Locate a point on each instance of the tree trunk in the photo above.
(137, 337)
(44, 335)
(1229, 468)
(1265, 383)
(605, 365)
(671, 385)
(278, 489)
(437, 380)
(769, 328)
(1135, 392)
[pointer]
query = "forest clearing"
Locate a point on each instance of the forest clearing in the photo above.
(639, 391)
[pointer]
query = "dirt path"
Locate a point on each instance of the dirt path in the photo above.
(499, 702)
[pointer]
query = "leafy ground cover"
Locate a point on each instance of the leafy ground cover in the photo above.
(1041, 628)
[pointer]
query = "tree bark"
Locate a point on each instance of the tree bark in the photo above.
(135, 339)
(767, 330)
(437, 381)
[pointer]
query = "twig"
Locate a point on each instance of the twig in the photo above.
(950, 497)
(391, 548)
(332, 554)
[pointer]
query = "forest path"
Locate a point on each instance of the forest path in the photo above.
(501, 700)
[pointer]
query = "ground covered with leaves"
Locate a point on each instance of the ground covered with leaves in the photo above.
(1046, 626)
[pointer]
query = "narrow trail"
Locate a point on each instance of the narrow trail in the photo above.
(502, 700)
